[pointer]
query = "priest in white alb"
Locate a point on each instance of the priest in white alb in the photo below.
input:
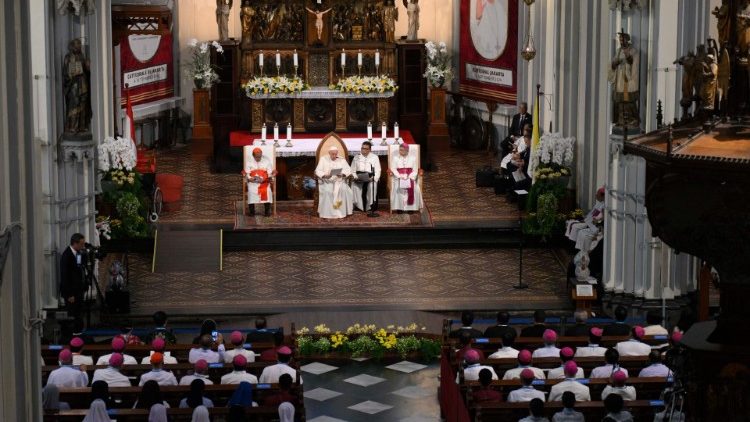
(334, 193)
(366, 171)
(259, 173)
(405, 192)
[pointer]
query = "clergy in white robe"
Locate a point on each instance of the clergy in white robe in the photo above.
(205, 352)
(584, 232)
(157, 374)
(618, 387)
(405, 192)
(271, 374)
(489, 27)
(527, 392)
(366, 164)
(118, 345)
(519, 146)
(111, 374)
(634, 346)
(334, 193)
(259, 173)
(238, 340)
(570, 384)
(66, 376)
(199, 372)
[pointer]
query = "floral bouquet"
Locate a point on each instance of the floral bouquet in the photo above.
(274, 85)
(117, 154)
(199, 67)
(554, 152)
(439, 68)
(365, 84)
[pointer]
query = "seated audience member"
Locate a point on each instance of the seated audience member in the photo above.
(158, 413)
(160, 330)
(239, 374)
(465, 343)
(66, 376)
(566, 355)
(524, 362)
(285, 393)
(512, 147)
(76, 346)
(270, 355)
(97, 412)
(580, 329)
(619, 327)
(614, 405)
(549, 349)
(618, 386)
(674, 356)
(204, 351)
(150, 395)
(238, 342)
(158, 345)
(195, 397)
(51, 399)
(126, 334)
(654, 327)
(200, 372)
(568, 414)
(634, 346)
(537, 330)
(242, 398)
(118, 346)
(527, 392)
(536, 412)
(467, 318)
(485, 393)
(100, 391)
(111, 374)
(655, 367)
(271, 374)
(612, 359)
(581, 391)
(593, 348)
(200, 414)
(506, 350)
(472, 367)
(261, 334)
(518, 165)
(286, 412)
(502, 327)
(157, 374)
(584, 232)
(208, 326)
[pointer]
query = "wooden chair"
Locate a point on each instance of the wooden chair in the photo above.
(328, 141)
(247, 155)
(414, 152)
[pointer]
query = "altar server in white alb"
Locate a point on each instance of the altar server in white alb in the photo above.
(366, 171)
(335, 195)
(405, 192)
(259, 173)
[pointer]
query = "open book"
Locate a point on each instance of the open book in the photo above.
(335, 172)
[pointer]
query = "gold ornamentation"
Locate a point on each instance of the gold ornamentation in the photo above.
(257, 114)
(299, 115)
(340, 114)
(383, 110)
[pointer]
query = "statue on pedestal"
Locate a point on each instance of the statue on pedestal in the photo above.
(247, 13)
(623, 75)
(390, 16)
(412, 10)
(76, 89)
(710, 75)
(223, 7)
(688, 71)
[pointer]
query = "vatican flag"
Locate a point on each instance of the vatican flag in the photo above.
(534, 154)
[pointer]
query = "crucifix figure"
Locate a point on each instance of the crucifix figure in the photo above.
(318, 21)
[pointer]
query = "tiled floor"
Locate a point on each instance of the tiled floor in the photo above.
(372, 391)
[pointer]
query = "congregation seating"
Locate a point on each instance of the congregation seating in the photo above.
(642, 410)
(256, 414)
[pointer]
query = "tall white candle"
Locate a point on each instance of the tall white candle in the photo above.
(320, 1)
(296, 60)
(383, 130)
(276, 132)
(288, 131)
(377, 58)
(343, 57)
(359, 59)
(278, 59)
(263, 132)
(395, 130)
(369, 130)
(260, 59)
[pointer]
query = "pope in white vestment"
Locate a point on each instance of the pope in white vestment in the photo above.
(335, 195)
(258, 173)
(366, 162)
(405, 192)
(489, 27)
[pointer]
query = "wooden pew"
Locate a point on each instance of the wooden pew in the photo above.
(531, 343)
(633, 364)
(642, 410)
(260, 414)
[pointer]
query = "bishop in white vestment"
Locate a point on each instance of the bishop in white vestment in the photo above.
(364, 192)
(405, 192)
(335, 195)
(583, 232)
(259, 173)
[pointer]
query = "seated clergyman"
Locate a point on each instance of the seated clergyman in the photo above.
(405, 192)
(335, 195)
(366, 172)
(259, 175)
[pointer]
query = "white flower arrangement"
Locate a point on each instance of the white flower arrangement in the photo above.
(199, 67)
(554, 152)
(117, 154)
(365, 84)
(439, 69)
(274, 85)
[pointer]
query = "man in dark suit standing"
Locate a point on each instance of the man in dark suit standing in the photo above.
(516, 128)
(72, 284)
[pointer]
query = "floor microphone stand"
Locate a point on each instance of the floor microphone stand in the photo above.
(521, 285)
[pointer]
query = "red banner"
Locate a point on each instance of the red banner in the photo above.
(146, 65)
(489, 49)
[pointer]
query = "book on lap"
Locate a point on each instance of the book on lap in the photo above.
(335, 172)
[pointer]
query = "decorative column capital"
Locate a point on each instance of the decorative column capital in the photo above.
(78, 148)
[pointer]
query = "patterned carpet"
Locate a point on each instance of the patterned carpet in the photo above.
(449, 193)
(354, 280)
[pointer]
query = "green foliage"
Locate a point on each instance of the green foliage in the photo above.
(545, 221)
(406, 345)
(366, 345)
(430, 348)
(123, 190)
(321, 346)
(305, 345)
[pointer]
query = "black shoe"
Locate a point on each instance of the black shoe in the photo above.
(268, 210)
(373, 214)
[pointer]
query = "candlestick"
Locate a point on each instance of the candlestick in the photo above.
(343, 57)
(383, 133)
(288, 135)
(296, 60)
(395, 130)
(263, 133)
(369, 131)
(260, 58)
(275, 131)
(359, 58)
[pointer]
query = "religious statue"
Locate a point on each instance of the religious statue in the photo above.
(223, 7)
(725, 70)
(623, 75)
(722, 24)
(743, 30)
(76, 89)
(247, 13)
(319, 21)
(76, 7)
(412, 10)
(390, 16)
(688, 63)
(710, 75)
